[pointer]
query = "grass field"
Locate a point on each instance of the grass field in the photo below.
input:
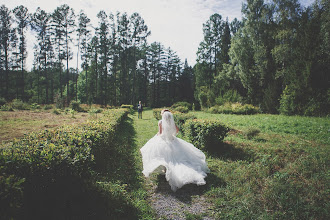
(17, 123)
(281, 172)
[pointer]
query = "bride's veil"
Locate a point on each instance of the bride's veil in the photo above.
(168, 126)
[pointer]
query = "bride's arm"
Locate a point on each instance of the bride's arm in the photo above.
(177, 129)
(160, 128)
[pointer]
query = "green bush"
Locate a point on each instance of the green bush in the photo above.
(205, 134)
(234, 108)
(53, 159)
(56, 112)
(126, 106)
(181, 118)
(19, 105)
(181, 104)
(157, 113)
(47, 107)
(2, 101)
(35, 106)
(75, 105)
(181, 109)
(6, 108)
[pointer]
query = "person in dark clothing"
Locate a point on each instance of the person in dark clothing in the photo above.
(140, 109)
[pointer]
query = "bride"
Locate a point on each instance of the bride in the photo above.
(180, 160)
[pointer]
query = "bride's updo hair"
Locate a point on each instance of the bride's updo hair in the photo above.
(165, 110)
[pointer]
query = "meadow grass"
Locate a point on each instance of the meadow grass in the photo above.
(308, 128)
(282, 172)
(278, 172)
(17, 123)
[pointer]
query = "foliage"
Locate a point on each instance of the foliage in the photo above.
(127, 106)
(56, 111)
(205, 134)
(2, 101)
(181, 118)
(35, 106)
(157, 113)
(182, 104)
(75, 105)
(19, 105)
(235, 108)
(6, 107)
(47, 107)
(69, 153)
(280, 174)
(181, 109)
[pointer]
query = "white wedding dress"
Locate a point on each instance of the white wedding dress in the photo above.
(182, 162)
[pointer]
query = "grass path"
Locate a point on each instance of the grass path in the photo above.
(188, 202)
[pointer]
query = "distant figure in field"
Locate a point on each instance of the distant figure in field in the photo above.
(140, 109)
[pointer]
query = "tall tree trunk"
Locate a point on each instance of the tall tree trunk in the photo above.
(6, 71)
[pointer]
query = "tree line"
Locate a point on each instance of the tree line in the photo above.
(277, 57)
(119, 66)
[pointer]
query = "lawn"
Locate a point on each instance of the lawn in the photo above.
(282, 172)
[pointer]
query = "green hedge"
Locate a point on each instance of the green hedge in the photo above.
(182, 104)
(235, 108)
(205, 134)
(179, 117)
(67, 155)
(156, 113)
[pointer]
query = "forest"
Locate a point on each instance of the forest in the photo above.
(277, 58)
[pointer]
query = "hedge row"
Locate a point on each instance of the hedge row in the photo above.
(67, 154)
(203, 134)
(235, 108)
(179, 117)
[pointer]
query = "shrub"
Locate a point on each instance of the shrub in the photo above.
(94, 111)
(181, 118)
(59, 101)
(6, 108)
(205, 134)
(130, 107)
(75, 105)
(35, 106)
(19, 105)
(157, 113)
(47, 107)
(2, 101)
(52, 160)
(181, 109)
(234, 108)
(126, 106)
(181, 104)
(56, 112)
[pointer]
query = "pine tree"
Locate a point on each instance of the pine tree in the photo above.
(22, 19)
(83, 40)
(7, 33)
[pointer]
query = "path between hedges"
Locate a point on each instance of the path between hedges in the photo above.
(189, 201)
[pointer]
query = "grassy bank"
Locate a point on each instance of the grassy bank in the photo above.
(280, 173)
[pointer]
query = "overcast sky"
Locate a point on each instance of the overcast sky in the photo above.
(174, 23)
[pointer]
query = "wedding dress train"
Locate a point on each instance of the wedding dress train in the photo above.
(183, 163)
